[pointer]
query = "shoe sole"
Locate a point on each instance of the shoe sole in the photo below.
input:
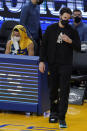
(62, 126)
(53, 121)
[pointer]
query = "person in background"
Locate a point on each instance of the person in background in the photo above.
(56, 49)
(82, 30)
(30, 19)
(20, 43)
(79, 25)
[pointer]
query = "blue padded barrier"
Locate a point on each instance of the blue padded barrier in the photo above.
(22, 86)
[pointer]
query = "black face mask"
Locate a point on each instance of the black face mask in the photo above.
(39, 2)
(77, 19)
(64, 22)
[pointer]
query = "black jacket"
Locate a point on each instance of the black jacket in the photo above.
(49, 42)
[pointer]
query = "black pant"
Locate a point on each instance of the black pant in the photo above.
(59, 80)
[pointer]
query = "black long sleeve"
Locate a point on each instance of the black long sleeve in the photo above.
(60, 53)
(76, 41)
(44, 46)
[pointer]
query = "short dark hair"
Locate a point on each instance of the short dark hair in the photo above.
(77, 10)
(65, 10)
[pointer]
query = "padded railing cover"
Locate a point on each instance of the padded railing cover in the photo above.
(21, 83)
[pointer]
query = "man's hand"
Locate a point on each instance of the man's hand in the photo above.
(66, 38)
(42, 67)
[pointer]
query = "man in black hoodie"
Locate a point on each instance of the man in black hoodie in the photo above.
(56, 49)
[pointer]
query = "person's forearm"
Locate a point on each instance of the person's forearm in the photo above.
(76, 41)
(76, 45)
(7, 52)
(31, 53)
(42, 54)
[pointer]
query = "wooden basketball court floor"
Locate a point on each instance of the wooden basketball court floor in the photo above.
(76, 119)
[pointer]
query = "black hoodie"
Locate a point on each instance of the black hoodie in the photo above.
(56, 53)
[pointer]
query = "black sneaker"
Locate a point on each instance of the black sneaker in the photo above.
(62, 124)
(53, 118)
